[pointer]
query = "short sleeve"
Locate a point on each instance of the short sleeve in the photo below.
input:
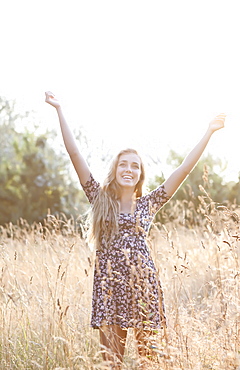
(91, 188)
(156, 199)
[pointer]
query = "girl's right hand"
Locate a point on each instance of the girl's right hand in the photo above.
(50, 99)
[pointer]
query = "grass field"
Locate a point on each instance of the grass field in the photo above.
(46, 281)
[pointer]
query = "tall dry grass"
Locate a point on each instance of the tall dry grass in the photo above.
(46, 280)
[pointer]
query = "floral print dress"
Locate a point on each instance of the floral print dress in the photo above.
(126, 289)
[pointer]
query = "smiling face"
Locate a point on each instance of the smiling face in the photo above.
(128, 170)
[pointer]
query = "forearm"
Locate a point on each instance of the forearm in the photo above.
(68, 138)
(180, 174)
(77, 159)
(193, 157)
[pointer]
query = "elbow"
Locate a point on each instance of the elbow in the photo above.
(185, 170)
(72, 154)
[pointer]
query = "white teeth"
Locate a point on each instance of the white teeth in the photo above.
(127, 177)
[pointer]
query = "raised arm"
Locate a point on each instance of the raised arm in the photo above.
(77, 159)
(179, 175)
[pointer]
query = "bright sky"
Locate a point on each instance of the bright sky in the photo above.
(146, 74)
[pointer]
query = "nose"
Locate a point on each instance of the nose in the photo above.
(128, 169)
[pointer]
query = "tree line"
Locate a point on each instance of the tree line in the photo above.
(36, 177)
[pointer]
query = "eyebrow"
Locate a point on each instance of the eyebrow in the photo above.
(124, 161)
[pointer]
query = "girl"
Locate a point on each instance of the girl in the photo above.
(126, 291)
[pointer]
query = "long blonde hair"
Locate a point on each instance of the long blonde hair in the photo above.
(105, 209)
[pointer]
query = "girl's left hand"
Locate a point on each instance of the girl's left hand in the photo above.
(217, 123)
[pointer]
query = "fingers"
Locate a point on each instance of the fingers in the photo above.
(221, 115)
(51, 99)
(218, 122)
(49, 94)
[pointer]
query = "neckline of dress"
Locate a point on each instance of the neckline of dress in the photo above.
(130, 213)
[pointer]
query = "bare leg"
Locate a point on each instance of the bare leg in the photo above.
(145, 351)
(113, 338)
(142, 342)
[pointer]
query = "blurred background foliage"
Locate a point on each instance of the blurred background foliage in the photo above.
(36, 175)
